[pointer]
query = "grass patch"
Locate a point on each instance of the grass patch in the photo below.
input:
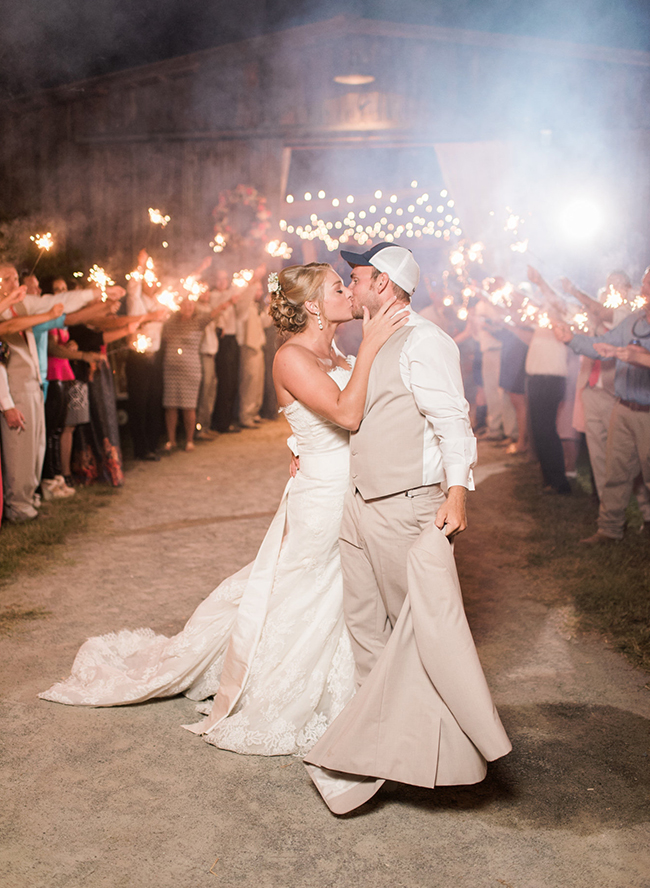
(610, 585)
(31, 546)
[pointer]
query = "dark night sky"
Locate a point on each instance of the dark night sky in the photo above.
(47, 42)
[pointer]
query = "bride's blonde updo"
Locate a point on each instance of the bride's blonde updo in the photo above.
(296, 285)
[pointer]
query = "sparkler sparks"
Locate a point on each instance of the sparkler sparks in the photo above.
(193, 286)
(512, 223)
(581, 321)
(148, 275)
(519, 246)
(242, 278)
(614, 298)
(278, 249)
(169, 299)
(218, 244)
(142, 343)
(44, 242)
(101, 279)
(157, 218)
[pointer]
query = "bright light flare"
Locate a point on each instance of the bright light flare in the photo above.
(581, 219)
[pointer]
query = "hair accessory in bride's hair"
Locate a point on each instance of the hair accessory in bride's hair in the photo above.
(274, 283)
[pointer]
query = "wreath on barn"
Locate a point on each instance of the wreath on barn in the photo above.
(241, 218)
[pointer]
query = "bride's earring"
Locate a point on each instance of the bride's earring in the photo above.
(320, 323)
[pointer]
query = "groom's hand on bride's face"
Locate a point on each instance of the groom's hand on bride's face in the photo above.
(451, 517)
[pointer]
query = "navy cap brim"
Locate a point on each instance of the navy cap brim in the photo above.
(354, 258)
(363, 258)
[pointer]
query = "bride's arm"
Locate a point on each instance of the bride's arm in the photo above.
(296, 370)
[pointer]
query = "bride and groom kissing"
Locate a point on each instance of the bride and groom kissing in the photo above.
(345, 641)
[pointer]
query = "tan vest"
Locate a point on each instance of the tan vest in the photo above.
(386, 452)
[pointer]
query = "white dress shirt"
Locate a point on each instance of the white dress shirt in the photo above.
(139, 303)
(430, 370)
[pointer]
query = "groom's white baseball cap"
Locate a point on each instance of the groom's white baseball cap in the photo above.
(397, 262)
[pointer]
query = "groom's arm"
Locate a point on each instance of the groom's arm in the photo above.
(430, 365)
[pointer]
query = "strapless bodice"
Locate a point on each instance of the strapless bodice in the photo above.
(323, 447)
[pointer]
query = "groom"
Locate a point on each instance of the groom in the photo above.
(423, 713)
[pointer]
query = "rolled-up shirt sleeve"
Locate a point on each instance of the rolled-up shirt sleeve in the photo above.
(620, 335)
(72, 300)
(430, 369)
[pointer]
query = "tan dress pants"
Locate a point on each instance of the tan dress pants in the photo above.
(423, 713)
(375, 540)
(23, 453)
(628, 456)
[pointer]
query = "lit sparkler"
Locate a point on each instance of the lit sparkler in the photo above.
(101, 279)
(148, 275)
(638, 302)
(218, 244)
(193, 286)
(581, 321)
(614, 298)
(279, 249)
(169, 299)
(502, 296)
(242, 278)
(519, 246)
(142, 343)
(157, 218)
(44, 242)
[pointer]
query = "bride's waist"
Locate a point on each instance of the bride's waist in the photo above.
(325, 464)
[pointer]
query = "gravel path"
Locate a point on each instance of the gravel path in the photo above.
(124, 798)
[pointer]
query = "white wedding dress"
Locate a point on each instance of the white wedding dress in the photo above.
(270, 642)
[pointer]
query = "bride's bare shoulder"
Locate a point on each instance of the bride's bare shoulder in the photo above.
(293, 353)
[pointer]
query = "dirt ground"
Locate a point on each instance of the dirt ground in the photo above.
(124, 798)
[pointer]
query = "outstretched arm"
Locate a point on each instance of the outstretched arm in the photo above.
(26, 322)
(605, 315)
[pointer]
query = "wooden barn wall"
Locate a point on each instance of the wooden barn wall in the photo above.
(100, 192)
(173, 135)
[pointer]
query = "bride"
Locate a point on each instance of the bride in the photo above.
(269, 644)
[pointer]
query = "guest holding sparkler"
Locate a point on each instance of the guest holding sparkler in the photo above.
(628, 437)
(595, 395)
(99, 455)
(144, 362)
(21, 396)
(182, 335)
(546, 369)
(224, 417)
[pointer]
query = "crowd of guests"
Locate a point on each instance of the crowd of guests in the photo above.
(537, 383)
(206, 361)
(547, 367)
